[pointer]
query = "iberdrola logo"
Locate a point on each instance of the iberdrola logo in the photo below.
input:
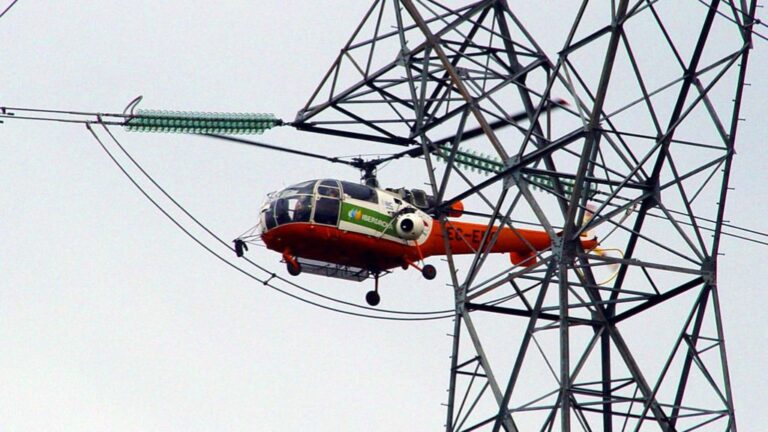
(355, 214)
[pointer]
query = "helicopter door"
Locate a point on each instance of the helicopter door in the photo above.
(327, 204)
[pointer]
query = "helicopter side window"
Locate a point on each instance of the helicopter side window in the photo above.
(297, 208)
(328, 191)
(406, 194)
(419, 198)
(301, 208)
(329, 188)
(269, 217)
(281, 211)
(360, 192)
(327, 211)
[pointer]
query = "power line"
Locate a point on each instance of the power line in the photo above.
(272, 275)
(444, 314)
(2, 14)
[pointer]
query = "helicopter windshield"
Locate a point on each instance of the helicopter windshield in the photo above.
(301, 203)
(292, 204)
(304, 188)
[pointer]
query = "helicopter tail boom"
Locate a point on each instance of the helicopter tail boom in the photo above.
(466, 238)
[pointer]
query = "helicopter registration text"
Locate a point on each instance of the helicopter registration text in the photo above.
(473, 236)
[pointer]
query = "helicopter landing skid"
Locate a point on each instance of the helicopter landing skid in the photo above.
(372, 297)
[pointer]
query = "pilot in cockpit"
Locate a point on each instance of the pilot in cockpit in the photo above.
(302, 209)
(281, 211)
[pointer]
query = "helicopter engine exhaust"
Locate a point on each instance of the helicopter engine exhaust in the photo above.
(409, 226)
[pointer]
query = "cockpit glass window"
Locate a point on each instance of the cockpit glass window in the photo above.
(269, 217)
(282, 214)
(301, 208)
(327, 211)
(361, 192)
(305, 188)
(292, 204)
(328, 191)
(419, 198)
(329, 188)
(293, 209)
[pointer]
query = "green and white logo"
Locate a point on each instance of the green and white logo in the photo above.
(367, 218)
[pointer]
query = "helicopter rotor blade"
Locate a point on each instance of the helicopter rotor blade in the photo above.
(418, 151)
(472, 133)
(282, 149)
(411, 152)
(500, 123)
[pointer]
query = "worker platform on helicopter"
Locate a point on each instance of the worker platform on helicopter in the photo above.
(338, 271)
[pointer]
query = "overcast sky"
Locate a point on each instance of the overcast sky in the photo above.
(112, 319)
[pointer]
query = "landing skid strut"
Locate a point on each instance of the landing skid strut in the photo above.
(372, 297)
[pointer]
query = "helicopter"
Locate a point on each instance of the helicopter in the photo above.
(353, 231)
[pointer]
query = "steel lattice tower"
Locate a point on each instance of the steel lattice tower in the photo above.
(629, 337)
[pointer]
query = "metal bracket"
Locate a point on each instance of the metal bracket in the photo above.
(708, 271)
(403, 57)
(513, 178)
(462, 72)
(564, 250)
(557, 245)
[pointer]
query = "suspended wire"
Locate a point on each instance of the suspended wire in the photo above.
(444, 314)
(272, 275)
(725, 224)
(447, 313)
(654, 215)
(2, 14)
(5, 110)
(360, 155)
(57, 120)
(699, 218)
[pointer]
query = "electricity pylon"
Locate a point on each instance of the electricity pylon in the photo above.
(628, 336)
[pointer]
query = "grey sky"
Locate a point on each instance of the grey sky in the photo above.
(112, 319)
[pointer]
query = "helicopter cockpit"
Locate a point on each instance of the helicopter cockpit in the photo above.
(314, 201)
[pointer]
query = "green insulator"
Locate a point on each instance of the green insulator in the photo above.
(547, 184)
(201, 122)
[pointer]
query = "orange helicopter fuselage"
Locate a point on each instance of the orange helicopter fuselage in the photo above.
(333, 245)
